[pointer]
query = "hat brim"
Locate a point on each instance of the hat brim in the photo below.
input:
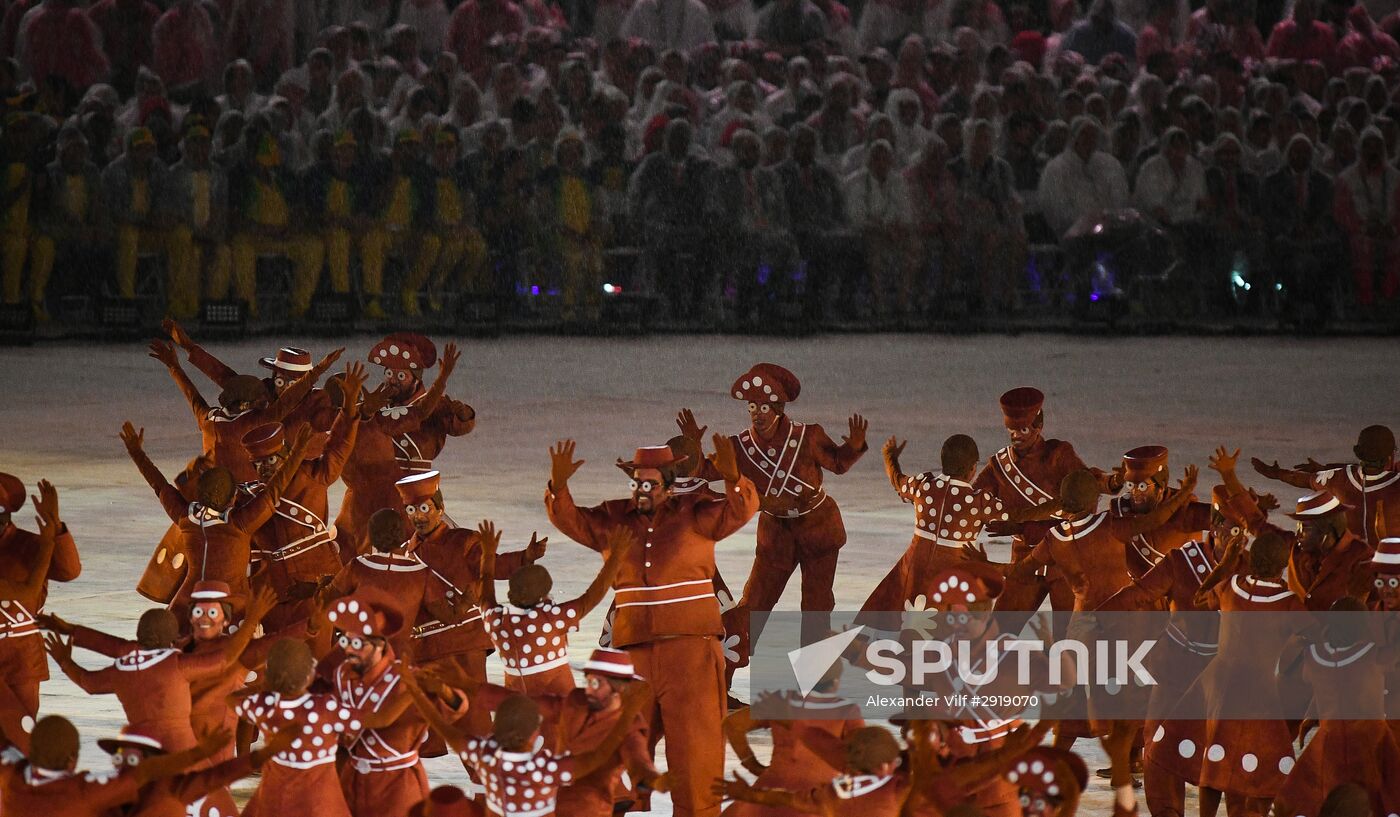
(610, 673)
(113, 745)
(271, 363)
(630, 466)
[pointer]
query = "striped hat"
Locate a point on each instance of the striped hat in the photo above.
(611, 664)
(1316, 506)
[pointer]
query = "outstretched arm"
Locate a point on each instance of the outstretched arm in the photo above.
(587, 526)
(165, 353)
(891, 451)
(93, 683)
(86, 637)
(454, 737)
(1228, 566)
(737, 726)
(295, 393)
(170, 498)
(424, 408)
(1288, 476)
(620, 543)
(29, 587)
(295, 457)
(838, 459)
(809, 802)
(163, 766)
(261, 604)
(211, 367)
(485, 590)
(388, 714)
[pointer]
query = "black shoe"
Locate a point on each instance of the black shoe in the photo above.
(1107, 774)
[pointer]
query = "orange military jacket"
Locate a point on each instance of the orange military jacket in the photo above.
(665, 587)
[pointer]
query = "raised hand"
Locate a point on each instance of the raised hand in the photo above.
(562, 464)
(534, 551)
(1222, 461)
(1266, 502)
(1264, 469)
(264, 599)
(374, 401)
(46, 503)
(1118, 477)
(856, 436)
(724, 460)
(134, 439)
(892, 449)
(353, 382)
(450, 355)
(164, 352)
(690, 429)
(54, 624)
(490, 536)
(59, 647)
(177, 333)
(975, 552)
(329, 360)
(1188, 480)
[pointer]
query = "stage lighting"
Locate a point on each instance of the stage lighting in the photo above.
(334, 311)
(225, 318)
(119, 314)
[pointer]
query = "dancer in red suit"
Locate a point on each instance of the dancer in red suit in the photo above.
(800, 525)
(449, 630)
(202, 793)
(1367, 487)
(374, 467)
(286, 366)
(28, 561)
(154, 681)
(405, 356)
(667, 616)
(216, 533)
(295, 549)
(531, 631)
(1029, 472)
(382, 773)
(46, 780)
(521, 774)
(243, 406)
(949, 515)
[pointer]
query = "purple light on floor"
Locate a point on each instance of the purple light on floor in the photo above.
(764, 273)
(534, 290)
(1093, 296)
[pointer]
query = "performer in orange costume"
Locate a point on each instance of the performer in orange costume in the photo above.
(28, 561)
(667, 616)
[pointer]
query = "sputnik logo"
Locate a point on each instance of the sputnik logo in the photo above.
(811, 662)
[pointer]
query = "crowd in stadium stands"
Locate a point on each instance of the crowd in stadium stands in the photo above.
(875, 161)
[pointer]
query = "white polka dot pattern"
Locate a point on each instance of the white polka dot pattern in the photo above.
(316, 716)
(534, 639)
(518, 784)
(949, 509)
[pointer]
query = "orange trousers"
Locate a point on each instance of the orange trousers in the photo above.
(686, 674)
